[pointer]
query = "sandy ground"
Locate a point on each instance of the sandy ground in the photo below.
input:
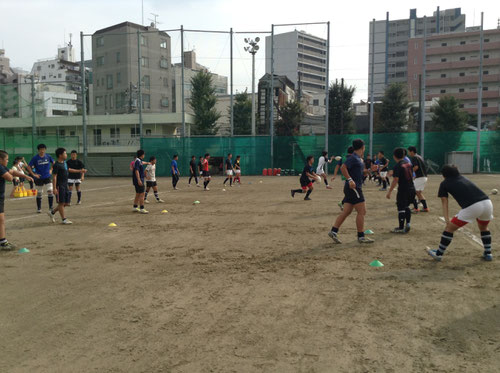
(246, 281)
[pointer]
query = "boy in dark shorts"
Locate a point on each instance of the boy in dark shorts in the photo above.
(350, 150)
(151, 180)
(138, 181)
(475, 205)
(237, 170)
(175, 171)
(192, 171)
(307, 179)
(420, 169)
(42, 162)
(384, 167)
(75, 178)
(205, 171)
(403, 178)
(60, 174)
(353, 170)
(6, 175)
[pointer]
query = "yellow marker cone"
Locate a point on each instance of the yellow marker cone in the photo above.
(112, 225)
(164, 211)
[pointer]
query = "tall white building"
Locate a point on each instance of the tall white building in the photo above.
(300, 57)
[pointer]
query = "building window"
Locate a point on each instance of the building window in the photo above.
(144, 40)
(146, 81)
(443, 75)
(72, 133)
(315, 102)
(43, 77)
(444, 44)
(59, 76)
(486, 56)
(39, 68)
(485, 88)
(485, 104)
(100, 41)
(102, 82)
(97, 82)
(163, 44)
(443, 59)
(62, 132)
(461, 90)
(414, 92)
(144, 62)
(462, 74)
(148, 132)
(164, 102)
(114, 132)
(443, 91)
(461, 106)
(146, 101)
(100, 61)
(415, 76)
(416, 45)
(118, 78)
(165, 82)
(119, 100)
(486, 40)
(117, 57)
(98, 101)
(462, 42)
(164, 63)
(415, 61)
(109, 81)
(134, 131)
(462, 58)
(485, 72)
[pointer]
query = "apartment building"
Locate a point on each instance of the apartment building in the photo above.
(452, 68)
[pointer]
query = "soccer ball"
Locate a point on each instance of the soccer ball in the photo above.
(494, 191)
(338, 158)
(318, 178)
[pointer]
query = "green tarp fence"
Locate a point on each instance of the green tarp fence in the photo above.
(290, 152)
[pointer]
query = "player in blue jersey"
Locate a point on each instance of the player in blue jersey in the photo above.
(42, 163)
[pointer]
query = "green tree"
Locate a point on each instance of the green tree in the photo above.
(447, 116)
(393, 110)
(203, 102)
(242, 114)
(340, 113)
(290, 119)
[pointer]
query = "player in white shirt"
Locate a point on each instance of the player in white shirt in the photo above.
(320, 170)
(150, 174)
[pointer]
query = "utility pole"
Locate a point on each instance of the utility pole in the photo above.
(84, 99)
(139, 83)
(33, 113)
(182, 84)
(271, 119)
(327, 88)
(372, 73)
(480, 97)
(422, 91)
(252, 49)
(342, 106)
(231, 84)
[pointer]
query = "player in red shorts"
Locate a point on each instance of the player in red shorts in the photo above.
(475, 205)
(307, 179)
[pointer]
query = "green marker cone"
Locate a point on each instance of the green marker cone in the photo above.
(23, 250)
(368, 231)
(376, 263)
(196, 202)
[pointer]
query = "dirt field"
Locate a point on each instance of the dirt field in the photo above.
(246, 281)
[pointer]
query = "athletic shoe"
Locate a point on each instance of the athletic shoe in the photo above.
(176, 188)
(136, 209)
(189, 185)
(488, 257)
(365, 240)
(207, 188)
(231, 185)
(399, 230)
(383, 189)
(407, 228)
(39, 211)
(425, 210)
(51, 216)
(307, 199)
(434, 254)
(341, 206)
(334, 236)
(79, 203)
(7, 246)
(146, 201)
(293, 193)
(328, 187)
(143, 211)
(198, 185)
(414, 211)
(160, 201)
(67, 222)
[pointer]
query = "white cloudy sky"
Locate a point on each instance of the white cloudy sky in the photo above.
(33, 29)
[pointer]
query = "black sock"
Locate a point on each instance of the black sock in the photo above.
(196, 179)
(231, 181)
(308, 193)
(225, 181)
(79, 194)
(189, 182)
(205, 184)
(361, 234)
(384, 184)
(51, 201)
(415, 204)
(156, 196)
(424, 203)
(135, 206)
(408, 215)
(39, 203)
(335, 230)
(69, 195)
(401, 218)
(208, 181)
(486, 238)
(145, 196)
(142, 207)
(326, 181)
(297, 190)
(445, 242)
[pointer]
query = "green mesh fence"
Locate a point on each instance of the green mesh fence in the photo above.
(290, 152)
(20, 145)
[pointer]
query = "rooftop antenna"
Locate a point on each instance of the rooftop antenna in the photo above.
(155, 22)
(70, 37)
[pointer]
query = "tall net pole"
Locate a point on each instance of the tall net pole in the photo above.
(327, 87)
(479, 98)
(84, 98)
(372, 94)
(422, 91)
(139, 83)
(271, 119)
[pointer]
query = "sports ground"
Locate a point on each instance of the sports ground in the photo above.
(245, 281)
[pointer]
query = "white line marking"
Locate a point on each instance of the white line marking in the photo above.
(467, 233)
